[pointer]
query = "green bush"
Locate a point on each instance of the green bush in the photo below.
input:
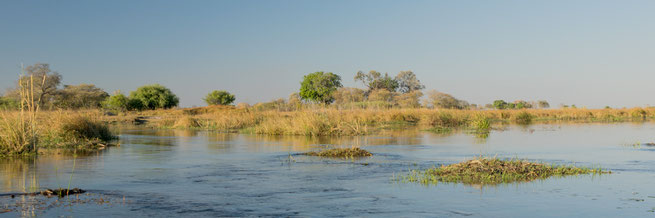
(319, 86)
(117, 101)
(219, 98)
(9, 103)
(152, 97)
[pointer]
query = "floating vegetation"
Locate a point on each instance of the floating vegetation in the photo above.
(490, 171)
(341, 153)
(62, 192)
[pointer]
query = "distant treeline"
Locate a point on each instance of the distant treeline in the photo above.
(322, 89)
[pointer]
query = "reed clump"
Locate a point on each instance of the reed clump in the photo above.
(82, 127)
(347, 153)
(491, 171)
(24, 131)
(19, 134)
(523, 117)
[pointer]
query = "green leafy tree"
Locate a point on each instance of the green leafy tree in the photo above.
(118, 101)
(500, 104)
(152, 97)
(319, 86)
(374, 80)
(543, 104)
(217, 97)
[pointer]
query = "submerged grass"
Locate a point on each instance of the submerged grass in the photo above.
(346, 153)
(491, 171)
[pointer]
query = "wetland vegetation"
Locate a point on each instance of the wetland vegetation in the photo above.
(492, 171)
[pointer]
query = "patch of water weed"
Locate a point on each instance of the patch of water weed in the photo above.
(346, 153)
(491, 171)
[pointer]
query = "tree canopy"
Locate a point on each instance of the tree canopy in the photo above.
(44, 81)
(219, 97)
(407, 82)
(319, 86)
(80, 96)
(152, 97)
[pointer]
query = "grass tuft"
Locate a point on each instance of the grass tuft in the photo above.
(348, 153)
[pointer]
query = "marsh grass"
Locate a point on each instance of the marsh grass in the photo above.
(492, 171)
(334, 121)
(18, 134)
(344, 153)
(523, 118)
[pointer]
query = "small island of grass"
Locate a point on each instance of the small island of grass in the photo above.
(340, 153)
(492, 171)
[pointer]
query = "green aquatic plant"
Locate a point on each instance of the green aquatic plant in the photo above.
(490, 171)
(354, 152)
(480, 123)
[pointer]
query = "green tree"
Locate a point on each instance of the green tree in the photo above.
(543, 104)
(374, 80)
(118, 101)
(219, 97)
(407, 82)
(500, 104)
(80, 96)
(319, 86)
(152, 97)
(520, 104)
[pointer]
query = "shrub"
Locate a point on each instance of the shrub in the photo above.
(153, 97)
(217, 97)
(9, 103)
(118, 101)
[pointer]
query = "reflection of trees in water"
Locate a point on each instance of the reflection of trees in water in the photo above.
(22, 174)
(18, 175)
(258, 143)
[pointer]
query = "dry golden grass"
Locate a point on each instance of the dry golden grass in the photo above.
(319, 121)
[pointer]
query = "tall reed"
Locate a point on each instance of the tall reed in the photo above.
(19, 134)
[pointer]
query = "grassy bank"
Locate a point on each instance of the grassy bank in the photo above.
(24, 134)
(490, 171)
(338, 122)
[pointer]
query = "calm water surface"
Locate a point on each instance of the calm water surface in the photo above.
(174, 173)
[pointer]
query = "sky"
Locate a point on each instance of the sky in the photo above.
(589, 53)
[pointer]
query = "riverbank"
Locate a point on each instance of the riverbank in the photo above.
(340, 122)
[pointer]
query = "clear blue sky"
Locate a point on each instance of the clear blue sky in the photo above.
(589, 53)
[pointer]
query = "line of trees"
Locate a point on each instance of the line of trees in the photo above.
(49, 93)
(404, 90)
(382, 90)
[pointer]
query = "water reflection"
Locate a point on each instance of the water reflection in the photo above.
(208, 173)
